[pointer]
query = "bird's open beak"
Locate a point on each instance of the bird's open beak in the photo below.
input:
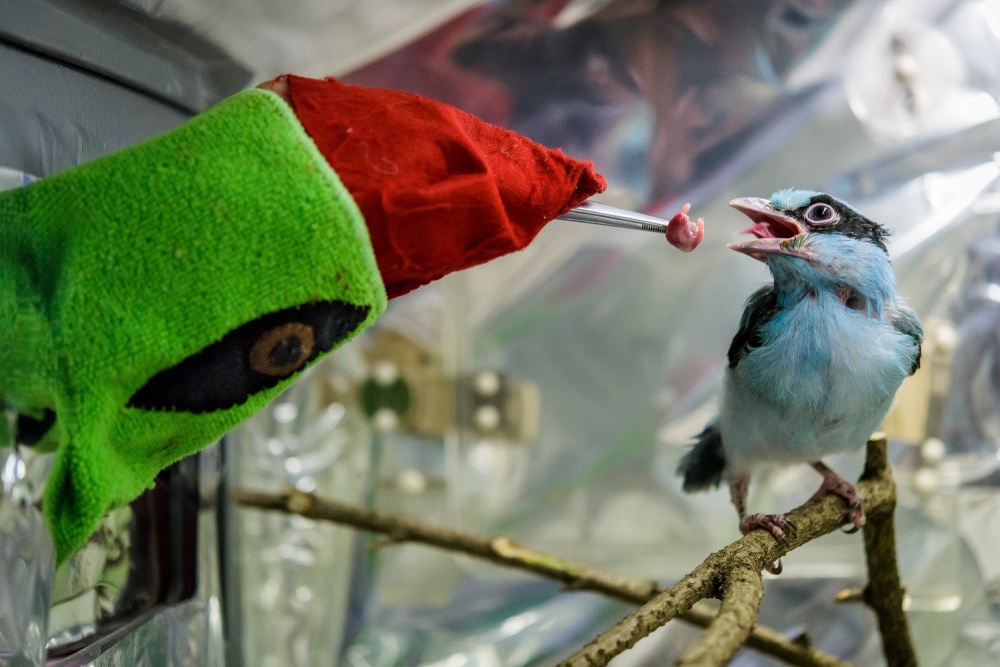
(760, 248)
(777, 233)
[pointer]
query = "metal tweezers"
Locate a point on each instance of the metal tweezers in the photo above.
(602, 214)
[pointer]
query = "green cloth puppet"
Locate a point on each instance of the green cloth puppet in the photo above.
(157, 297)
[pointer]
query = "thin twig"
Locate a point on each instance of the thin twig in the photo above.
(399, 528)
(884, 593)
(504, 551)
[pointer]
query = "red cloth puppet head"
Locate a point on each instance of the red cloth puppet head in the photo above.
(440, 190)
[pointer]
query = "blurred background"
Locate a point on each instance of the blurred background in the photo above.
(547, 395)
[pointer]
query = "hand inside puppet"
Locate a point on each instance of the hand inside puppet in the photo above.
(157, 297)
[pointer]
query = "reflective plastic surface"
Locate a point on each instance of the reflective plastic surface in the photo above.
(289, 579)
(27, 559)
(188, 629)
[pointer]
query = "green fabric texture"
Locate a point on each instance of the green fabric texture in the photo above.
(115, 270)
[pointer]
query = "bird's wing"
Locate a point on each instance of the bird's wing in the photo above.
(905, 321)
(760, 308)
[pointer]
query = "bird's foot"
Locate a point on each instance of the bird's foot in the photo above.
(836, 485)
(776, 524)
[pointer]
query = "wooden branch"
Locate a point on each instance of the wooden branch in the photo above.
(499, 550)
(884, 593)
(742, 562)
(741, 598)
(666, 606)
(504, 551)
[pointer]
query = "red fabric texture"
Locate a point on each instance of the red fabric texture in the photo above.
(440, 190)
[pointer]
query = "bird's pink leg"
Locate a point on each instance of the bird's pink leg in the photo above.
(834, 483)
(776, 524)
(684, 234)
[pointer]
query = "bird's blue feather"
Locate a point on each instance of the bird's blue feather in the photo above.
(838, 260)
(791, 199)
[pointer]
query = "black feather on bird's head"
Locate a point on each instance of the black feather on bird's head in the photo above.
(820, 213)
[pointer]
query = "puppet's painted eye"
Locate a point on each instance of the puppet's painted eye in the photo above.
(283, 349)
(253, 357)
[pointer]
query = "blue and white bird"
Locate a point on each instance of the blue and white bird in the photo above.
(818, 356)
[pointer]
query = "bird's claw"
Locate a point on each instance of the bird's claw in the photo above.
(838, 486)
(855, 514)
(776, 524)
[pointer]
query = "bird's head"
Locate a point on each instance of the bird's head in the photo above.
(815, 237)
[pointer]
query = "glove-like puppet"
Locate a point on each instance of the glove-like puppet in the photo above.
(157, 297)
(818, 356)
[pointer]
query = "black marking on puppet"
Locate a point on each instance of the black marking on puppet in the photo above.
(703, 465)
(251, 358)
(31, 430)
(851, 222)
(761, 307)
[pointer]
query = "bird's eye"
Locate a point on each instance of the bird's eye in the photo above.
(821, 214)
(250, 358)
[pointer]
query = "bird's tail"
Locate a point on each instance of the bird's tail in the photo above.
(704, 463)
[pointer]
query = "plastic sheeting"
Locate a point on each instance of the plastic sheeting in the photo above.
(56, 117)
(306, 37)
(175, 634)
(28, 558)
(288, 578)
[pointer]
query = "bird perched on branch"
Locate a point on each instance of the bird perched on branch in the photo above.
(818, 356)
